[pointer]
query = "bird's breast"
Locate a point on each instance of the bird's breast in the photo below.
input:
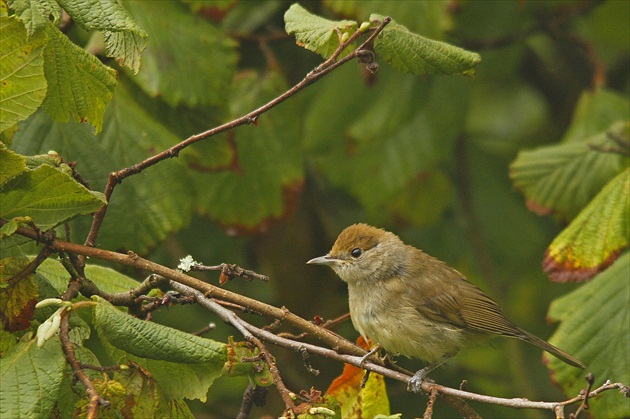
(397, 326)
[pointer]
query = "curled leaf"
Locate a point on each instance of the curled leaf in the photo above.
(412, 53)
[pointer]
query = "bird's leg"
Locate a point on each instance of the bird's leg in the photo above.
(414, 384)
(369, 354)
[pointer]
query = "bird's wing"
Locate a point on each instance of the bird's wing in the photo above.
(481, 313)
(467, 307)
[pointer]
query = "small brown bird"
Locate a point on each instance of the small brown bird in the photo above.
(412, 304)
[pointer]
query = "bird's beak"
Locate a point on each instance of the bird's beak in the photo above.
(323, 260)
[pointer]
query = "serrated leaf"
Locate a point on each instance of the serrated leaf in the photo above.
(595, 327)
(554, 180)
(36, 14)
(19, 298)
(48, 196)
(266, 181)
(80, 86)
(203, 359)
(595, 237)
(12, 164)
(126, 47)
(31, 379)
(22, 81)
(151, 206)
(188, 61)
(316, 33)
(155, 341)
(412, 53)
(124, 39)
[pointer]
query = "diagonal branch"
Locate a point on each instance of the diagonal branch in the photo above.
(251, 118)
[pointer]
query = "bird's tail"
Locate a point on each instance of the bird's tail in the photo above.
(557, 352)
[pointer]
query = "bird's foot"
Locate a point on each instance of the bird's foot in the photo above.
(415, 383)
(366, 356)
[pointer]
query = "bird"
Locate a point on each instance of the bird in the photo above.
(410, 303)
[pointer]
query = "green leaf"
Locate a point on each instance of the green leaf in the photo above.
(595, 237)
(106, 279)
(266, 180)
(31, 379)
(430, 18)
(36, 14)
(412, 53)
(154, 341)
(150, 207)
(149, 399)
(182, 365)
(48, 196)
(124, 39)
(22, 82)
(595, 112)
(595, 327)
(554, 179)
(188, 61)
(316, 33)
(12, 165)
(80, 86)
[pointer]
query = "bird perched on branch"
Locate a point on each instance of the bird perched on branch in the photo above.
(412, 304)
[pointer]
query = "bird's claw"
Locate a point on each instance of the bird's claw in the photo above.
(415, 383)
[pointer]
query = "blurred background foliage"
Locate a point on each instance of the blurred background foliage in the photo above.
(425, 157)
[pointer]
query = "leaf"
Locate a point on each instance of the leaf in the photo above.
(138, 396)
(430, 18)
(12, 164)
(36, 14)
(595, 237)
(316, 33)
(595, 112)
(201, 359)
(22, 81)
(188, 61)
(106, 279)
(358, 402)
(79, 85)
(124, 39)
(19, 297)
(31, 379)
(553, 177)
(154, 341)
(412, 53)
(266, 181)
(595, 327)
(48, 196)
(150, 207)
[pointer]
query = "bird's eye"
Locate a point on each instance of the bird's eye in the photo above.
(356, 252)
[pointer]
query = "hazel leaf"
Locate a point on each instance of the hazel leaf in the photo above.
(412, 53)
(595, 237)
(314, 32)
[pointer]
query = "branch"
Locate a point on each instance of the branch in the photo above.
(342, 349)
(251, 118)
(68, 350)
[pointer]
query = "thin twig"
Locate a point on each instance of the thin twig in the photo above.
(31, 267)
(68, 350)
(343, 350)
(231, 318)
(320, 71)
